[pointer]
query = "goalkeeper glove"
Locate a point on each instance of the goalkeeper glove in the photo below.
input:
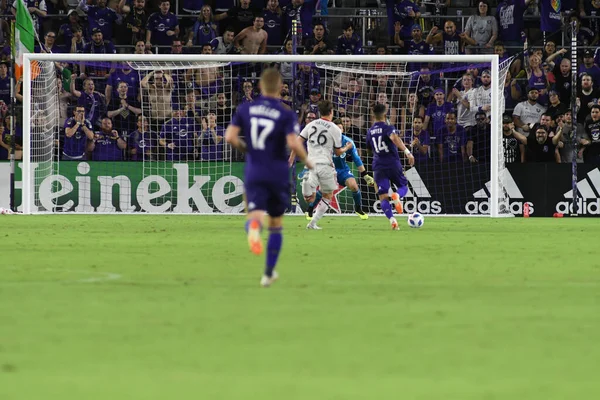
(368, 178)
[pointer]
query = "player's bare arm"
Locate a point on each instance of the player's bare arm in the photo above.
(400, 144)
(297, 148)
(232, 136)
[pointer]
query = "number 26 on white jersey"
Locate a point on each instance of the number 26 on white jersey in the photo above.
(379, 145)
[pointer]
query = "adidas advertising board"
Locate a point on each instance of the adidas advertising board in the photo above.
(418, 198)
(455, 189)
(588, 198)
(514, 204)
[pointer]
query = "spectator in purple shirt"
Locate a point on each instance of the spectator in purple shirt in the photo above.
(272, 15)
(509, 14)
(406, 13)
(65, 32)
(100, 17)
(107, 144)
(435, 114)
(142, 142)
(162, 27)
(211, 139)
(305, 9)
(349, 42)
(204, 30)
(419, 141)
(78, 130)
(78, 43)
(590, 68)
(451, 140)
(92, 101)
(178, 136)
(127, 75)
(97, 46)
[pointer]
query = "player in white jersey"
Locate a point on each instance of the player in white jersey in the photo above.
(324, 138)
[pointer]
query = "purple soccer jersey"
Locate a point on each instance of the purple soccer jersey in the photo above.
(106, 148)
(423, 137)
(143, 143)
(159, 24)
(74, 146)
(132, 78)
(103, 19)
(452, 143)
(273, 28)
(349, 46)
(437, 114)
(265, 124)
(211, 148)
(179, 133)
(385, 152)
(387, 168)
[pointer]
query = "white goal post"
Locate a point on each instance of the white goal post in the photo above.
(496, 184)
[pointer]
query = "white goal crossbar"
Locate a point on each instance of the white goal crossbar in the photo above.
(493, 59)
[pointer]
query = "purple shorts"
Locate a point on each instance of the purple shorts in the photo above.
(272, 197)
(384, 178)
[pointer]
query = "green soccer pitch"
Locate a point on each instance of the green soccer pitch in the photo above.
(170, 307)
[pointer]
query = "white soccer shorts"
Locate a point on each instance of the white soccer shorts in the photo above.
(323, 176)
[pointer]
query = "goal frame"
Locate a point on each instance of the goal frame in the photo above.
(493, 59)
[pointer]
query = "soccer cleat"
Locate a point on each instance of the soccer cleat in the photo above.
(313, 226)
(254, 240)
(309, 212)
(397, 202)
(394, 224)
(362, 215)
(265, 281)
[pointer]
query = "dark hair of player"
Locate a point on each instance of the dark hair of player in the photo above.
(325, 107)
(379, 111)
(270, 82)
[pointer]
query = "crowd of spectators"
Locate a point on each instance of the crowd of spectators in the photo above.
(111, 112)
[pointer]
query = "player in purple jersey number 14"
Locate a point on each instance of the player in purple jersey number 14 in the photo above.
(384, 142)
(269, 129)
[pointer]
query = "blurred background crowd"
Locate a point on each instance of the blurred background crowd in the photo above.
(111, 112)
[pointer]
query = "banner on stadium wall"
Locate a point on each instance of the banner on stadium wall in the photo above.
(218, 188)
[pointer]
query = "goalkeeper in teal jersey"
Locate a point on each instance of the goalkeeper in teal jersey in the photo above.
(345, 176)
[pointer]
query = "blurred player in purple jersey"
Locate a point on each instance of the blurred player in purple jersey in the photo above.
(268, 127)
(384, 142)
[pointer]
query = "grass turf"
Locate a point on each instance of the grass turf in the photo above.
(156, 307)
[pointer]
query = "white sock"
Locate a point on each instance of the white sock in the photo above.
(320, 211)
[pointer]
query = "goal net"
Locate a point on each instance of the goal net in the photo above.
(144, 133)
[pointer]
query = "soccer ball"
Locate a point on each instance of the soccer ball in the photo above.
(416, 220)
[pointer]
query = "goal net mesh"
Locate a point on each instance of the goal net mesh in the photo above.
(152, 135)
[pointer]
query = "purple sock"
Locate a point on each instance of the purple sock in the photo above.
(273, 249)
(387, 208)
